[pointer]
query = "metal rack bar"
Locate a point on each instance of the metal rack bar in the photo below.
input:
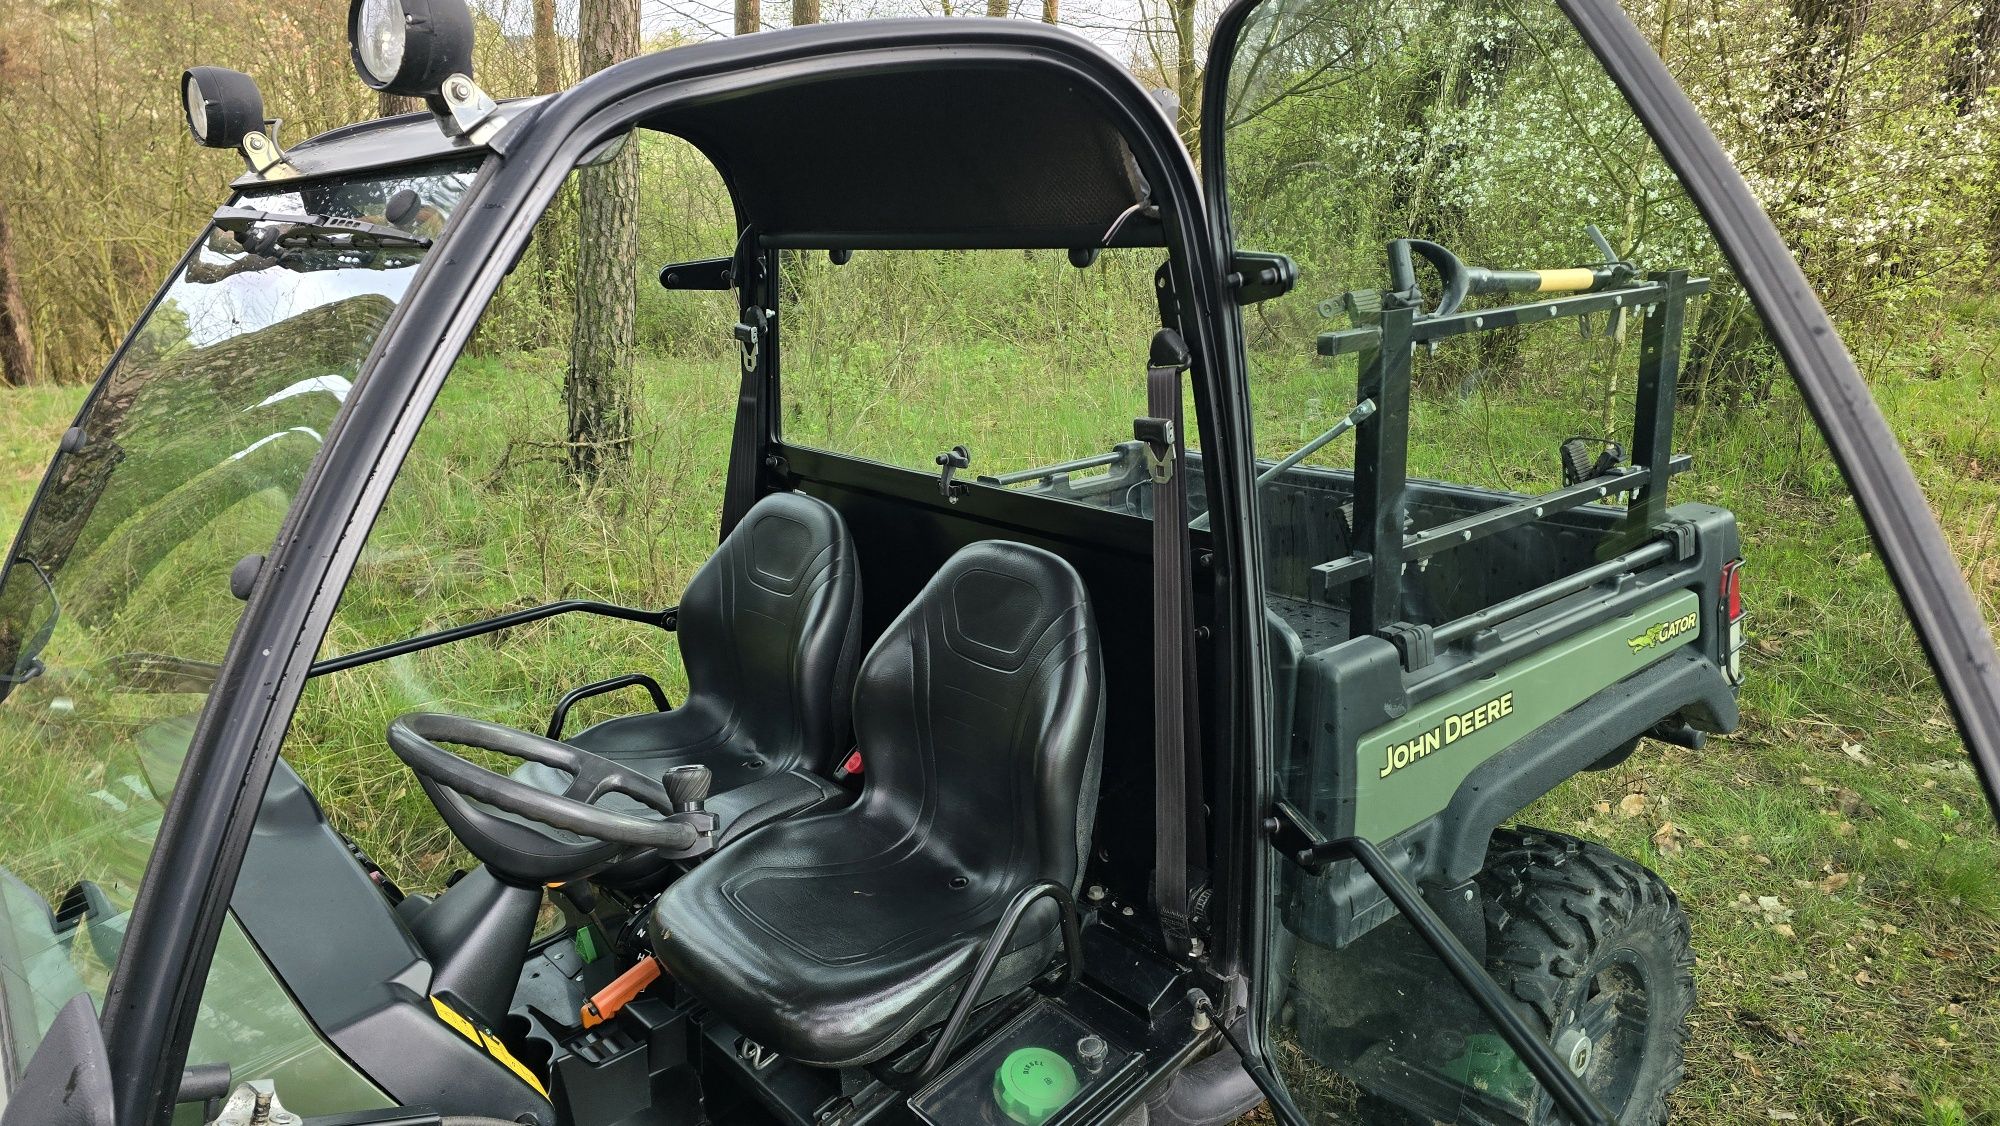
(1541, 596)
(1381, 473)
(1479, 525)
(1659, 370)
(1048, 471)
(1384, 345)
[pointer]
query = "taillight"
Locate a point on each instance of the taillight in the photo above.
(1732, 616)
(1732, 590)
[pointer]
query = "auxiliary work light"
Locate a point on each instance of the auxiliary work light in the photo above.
(223, 106)
(410, 47)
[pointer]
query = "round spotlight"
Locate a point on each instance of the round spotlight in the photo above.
(409, 47)
(222, 105)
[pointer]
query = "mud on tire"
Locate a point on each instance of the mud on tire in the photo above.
(1594, 950)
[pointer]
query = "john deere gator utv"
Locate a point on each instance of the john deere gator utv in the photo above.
(1137, 788)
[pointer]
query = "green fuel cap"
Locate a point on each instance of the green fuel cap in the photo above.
(1032, 1084)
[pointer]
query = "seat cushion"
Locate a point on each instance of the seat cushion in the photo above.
(654, 742)
(832, 939)
(836, 940)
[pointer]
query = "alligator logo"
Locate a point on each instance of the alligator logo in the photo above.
(1659, 633)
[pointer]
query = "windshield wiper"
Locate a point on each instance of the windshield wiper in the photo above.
(358, 233)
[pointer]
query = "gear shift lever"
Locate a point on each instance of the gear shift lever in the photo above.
(688, 786)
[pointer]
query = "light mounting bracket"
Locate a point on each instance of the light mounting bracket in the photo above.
(468, 111)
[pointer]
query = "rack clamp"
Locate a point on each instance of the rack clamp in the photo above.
(1684, 538)
(1416, 644)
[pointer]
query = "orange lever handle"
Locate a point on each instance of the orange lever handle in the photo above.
(608, 1000)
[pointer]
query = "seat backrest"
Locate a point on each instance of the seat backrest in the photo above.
(770, 628)
(980, 717)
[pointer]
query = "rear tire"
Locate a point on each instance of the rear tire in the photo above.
(1594, 950)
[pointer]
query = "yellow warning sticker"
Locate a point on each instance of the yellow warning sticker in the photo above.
(464, 1027)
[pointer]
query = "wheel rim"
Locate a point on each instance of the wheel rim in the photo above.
(1605, 1041)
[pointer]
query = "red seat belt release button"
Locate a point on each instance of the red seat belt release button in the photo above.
(849, 766)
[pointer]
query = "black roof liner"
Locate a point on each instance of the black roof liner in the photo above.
(952, 156)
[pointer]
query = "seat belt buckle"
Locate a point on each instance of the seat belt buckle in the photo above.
(1157, 434)
(849, 766)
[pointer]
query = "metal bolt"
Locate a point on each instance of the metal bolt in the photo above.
(1095, 894)
(1574, 1048)
(460, 90)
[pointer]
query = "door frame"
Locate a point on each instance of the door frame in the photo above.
(1926, 576)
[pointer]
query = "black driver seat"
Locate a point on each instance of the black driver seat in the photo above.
(769, 632)
(832, 939)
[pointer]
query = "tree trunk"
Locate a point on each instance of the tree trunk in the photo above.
(549, 244)
(749, 16)
(999, 9)
(805, 12)
(17, 352)
(389, 105)
(1050, 12)
(548, 49)
(598, 392)
(1187, 73)
(1975, 63)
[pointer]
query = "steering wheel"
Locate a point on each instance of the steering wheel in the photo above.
(527, 835)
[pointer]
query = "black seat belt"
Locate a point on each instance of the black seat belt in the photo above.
(1175, 717)
(746, 453)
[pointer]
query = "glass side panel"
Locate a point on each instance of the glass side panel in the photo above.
(1740, 819)
(487, 516)
(116, 609)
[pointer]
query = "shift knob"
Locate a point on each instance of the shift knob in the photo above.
(688, 786)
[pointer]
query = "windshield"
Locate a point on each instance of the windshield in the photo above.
(116, 607)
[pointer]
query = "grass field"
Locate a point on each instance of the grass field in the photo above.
(1836, 854)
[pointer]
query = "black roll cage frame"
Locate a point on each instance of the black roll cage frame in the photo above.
(175, 922)
(150, 1004)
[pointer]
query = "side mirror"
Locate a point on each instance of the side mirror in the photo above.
(68, 1081)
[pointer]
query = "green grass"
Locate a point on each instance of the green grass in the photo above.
(1864, 996)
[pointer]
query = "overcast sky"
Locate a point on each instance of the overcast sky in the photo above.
(1116, 25)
